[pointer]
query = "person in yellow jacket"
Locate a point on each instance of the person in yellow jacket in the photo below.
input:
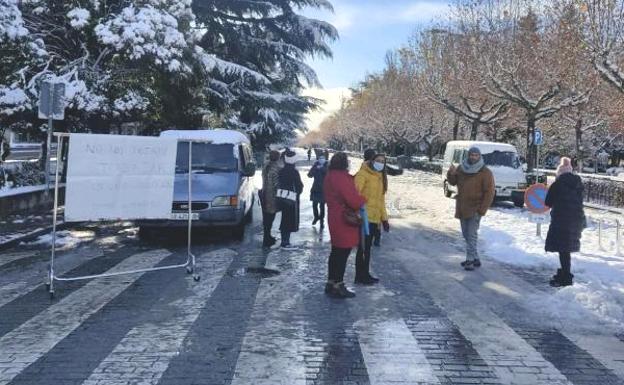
(372, 183)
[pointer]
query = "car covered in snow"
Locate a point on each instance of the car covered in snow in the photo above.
(222, 189)
(501, 158)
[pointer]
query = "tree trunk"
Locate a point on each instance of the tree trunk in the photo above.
(578, 130)
(474, 129)
(456, 127)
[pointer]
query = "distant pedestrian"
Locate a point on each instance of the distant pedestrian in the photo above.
(565, 198)
(343, 202)
(475, 186)
(318, 172)
(270, 179)
(309, 154)
(372, 182)
(289, 189)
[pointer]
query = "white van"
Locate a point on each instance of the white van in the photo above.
(501, 158)
(222, 187)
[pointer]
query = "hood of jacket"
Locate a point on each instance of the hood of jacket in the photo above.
(571, 181)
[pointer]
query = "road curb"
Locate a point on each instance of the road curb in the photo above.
(31, 235)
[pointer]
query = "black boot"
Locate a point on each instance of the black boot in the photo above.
(555, 277)
(268, 241)
(564, 280)
(339, 290)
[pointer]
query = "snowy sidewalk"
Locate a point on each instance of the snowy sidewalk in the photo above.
(21, 228)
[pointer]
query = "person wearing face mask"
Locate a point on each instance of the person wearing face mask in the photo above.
(475, 193)
(318, 172)
(372, 183)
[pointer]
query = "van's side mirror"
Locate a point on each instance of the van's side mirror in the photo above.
(250, 169)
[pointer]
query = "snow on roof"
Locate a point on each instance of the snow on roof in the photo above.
(217, 136)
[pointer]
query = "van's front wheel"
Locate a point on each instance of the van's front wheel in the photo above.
(518, 202)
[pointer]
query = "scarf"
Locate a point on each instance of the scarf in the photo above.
(468, 168)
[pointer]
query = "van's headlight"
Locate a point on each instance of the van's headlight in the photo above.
(522, 185)
(229, 200)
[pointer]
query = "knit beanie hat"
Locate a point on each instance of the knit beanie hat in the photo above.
(290, 157)
(474, 150)
(565, 166)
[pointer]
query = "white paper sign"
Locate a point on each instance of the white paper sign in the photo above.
(113, 177)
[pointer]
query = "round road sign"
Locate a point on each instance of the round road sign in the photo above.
(535, 198)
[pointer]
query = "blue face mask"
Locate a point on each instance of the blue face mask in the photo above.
(378, 166)
(321, 161)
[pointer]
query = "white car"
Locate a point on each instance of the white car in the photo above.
(501, 158)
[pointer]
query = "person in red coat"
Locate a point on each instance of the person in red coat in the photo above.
(340, 195)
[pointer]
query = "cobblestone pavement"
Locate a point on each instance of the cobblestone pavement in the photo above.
(427, 322)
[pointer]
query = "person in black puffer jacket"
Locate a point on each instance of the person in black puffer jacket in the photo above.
(565, 198)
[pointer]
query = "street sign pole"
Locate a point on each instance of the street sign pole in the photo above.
(49, 142)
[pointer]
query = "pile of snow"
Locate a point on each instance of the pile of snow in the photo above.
(507, 236)
(79, 17)
(65, 239)
(615, 171)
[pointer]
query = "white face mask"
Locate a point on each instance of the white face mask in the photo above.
(378, 166)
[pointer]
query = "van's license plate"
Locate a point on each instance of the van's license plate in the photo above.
(184, 216)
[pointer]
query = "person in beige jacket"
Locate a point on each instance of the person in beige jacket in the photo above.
(475, 193)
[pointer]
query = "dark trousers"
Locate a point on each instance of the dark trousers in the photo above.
(319, 210)
(377, 236)
(285, 238)
(337, 264)
(566, 261)
(363, 256)
(267, 222)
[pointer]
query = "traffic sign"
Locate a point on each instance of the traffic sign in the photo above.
(535, 198)
(538, 139)
(538, 218)
(52, 101)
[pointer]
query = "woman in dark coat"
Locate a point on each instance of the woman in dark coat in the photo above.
(341, 195)
(318, 172)
(565, 198)
(289, 179)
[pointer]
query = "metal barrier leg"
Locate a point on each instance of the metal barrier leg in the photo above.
(617, 237)
(600, 246)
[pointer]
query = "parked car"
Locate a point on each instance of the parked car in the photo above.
(501, 158)
(222, 190)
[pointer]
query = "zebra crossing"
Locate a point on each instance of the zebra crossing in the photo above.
(425, 326)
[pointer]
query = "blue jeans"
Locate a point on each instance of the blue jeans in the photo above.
(470, 231)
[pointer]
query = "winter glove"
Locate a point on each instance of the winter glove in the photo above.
(386, 226)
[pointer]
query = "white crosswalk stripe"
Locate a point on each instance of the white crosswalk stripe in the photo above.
(391, 354)
(272, 345)
(33, 276)
(145, 352)
(33, 339)
(507, 353)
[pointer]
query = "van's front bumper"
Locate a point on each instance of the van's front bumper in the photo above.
(211, 217)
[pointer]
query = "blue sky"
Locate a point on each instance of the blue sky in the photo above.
(368, 29)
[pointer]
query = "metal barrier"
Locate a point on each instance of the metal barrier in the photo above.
(189, 265)
(618, 235)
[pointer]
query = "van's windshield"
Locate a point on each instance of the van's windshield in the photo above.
(502, 158)
(207, 158)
